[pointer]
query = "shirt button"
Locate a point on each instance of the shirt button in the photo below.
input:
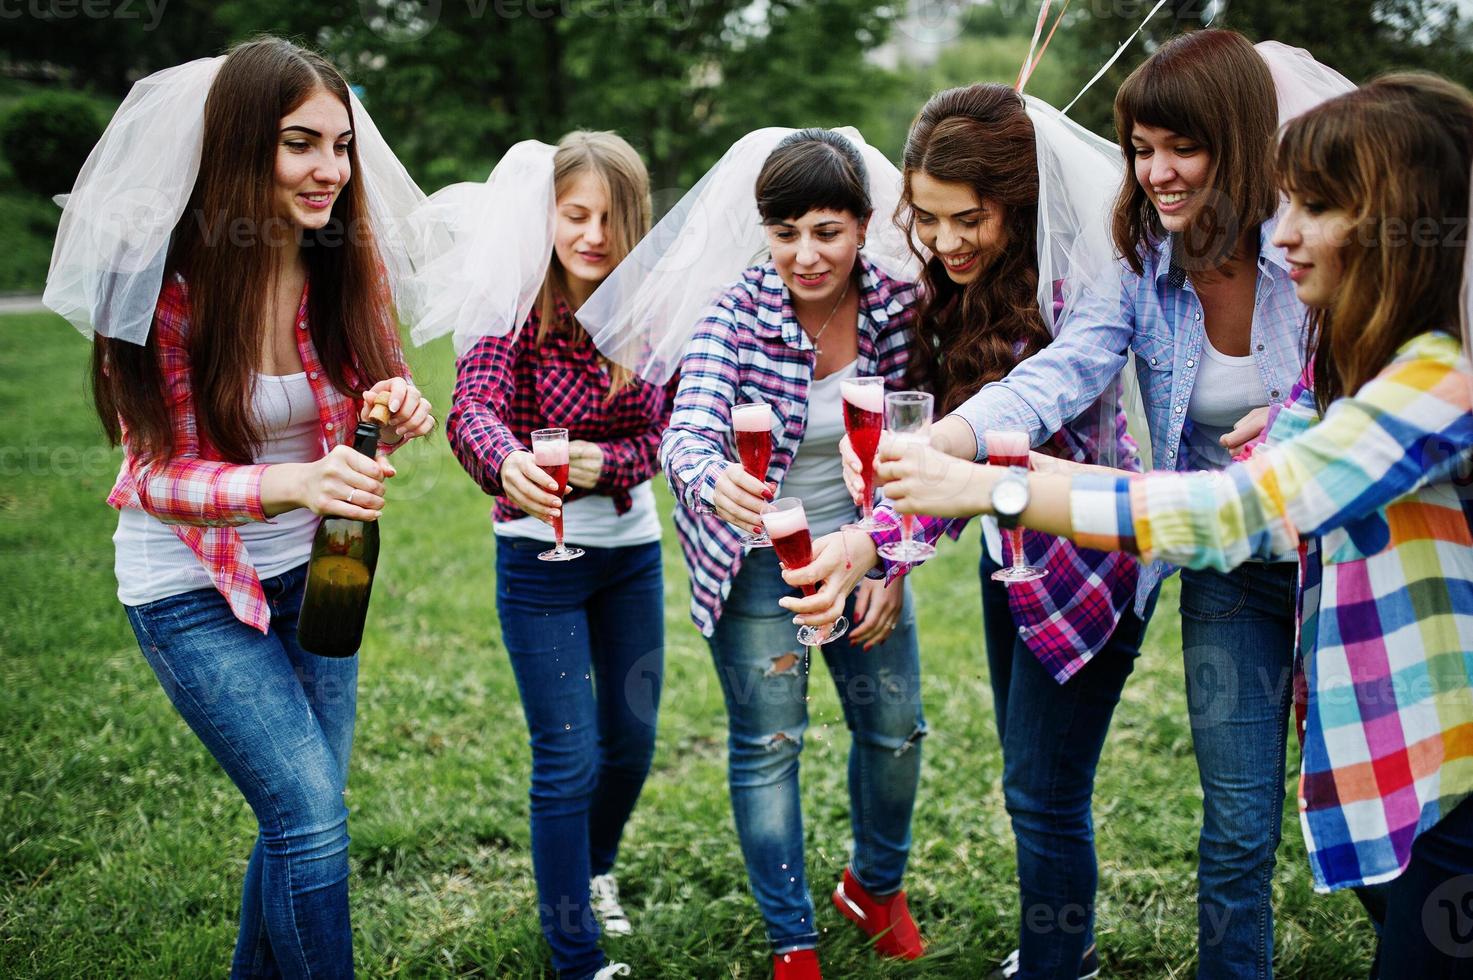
(1199, 316)
(313, 375)
(1153, 361)
(332, 425)
(1171, 454)
(1260, 347)
(1178, 409)
(1190, 362)
(1274, 393)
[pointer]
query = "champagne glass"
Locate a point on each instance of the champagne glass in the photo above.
(787, 526)
(550, 452)
(1009, 447)
(864, 420)
(752, 426)
(908, 417)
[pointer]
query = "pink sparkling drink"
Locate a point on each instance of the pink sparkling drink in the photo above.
(1006, 448)
(1010, 447)
(864, 420)
(787, 526)
(550, 453)
(751, 427)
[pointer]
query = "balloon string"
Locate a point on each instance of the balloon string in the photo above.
(1027, 67)
(1046, 41)
(1114, 57)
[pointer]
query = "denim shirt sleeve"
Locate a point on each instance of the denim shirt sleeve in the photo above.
(1049, 389)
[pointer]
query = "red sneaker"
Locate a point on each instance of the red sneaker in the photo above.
(800, 964)
(888, 921)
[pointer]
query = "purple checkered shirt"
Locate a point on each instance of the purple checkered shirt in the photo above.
(507, 387)
(751, 348)
(1067, 616)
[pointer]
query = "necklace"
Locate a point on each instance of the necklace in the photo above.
(817, 350)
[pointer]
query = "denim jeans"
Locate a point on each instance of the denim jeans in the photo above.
(1426, 921)
(586, 639)
(764, 678)
(1237, 633)
(1052, 735)
(279, 721)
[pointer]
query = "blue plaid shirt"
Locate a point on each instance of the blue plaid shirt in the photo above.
(1159, 319)
(750, 347)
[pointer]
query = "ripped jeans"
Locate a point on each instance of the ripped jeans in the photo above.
(764, 677)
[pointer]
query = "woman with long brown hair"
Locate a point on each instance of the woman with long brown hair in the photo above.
(231, 369)
(977, 163)
(1366, 477)
(585, 637)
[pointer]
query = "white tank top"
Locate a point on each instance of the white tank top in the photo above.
(151, 562)
(816, 475)
(1227, 388)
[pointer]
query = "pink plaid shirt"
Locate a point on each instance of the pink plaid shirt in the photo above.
(508, 387)
(203, 497)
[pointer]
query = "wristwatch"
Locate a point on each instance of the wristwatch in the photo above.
(1010, 497)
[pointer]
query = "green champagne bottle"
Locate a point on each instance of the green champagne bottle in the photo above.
(340, 576)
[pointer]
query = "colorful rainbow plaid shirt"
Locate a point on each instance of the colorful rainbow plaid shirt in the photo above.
(1377, 499)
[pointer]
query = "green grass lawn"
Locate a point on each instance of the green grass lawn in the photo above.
(122, 845)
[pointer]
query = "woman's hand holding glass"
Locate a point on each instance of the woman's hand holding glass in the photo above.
(920, 479)
(529, 486)
(840, 561)
(741, 498)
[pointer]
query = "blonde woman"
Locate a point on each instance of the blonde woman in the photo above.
(586, 637)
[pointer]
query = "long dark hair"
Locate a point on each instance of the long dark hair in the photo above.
(967, 336)
(229, 273)
(1395, 155)
(1213, 88)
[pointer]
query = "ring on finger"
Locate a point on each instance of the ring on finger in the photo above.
(350, 495)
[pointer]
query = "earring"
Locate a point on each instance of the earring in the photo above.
(861, 243)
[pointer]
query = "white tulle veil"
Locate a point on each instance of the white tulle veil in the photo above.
(643, 315)
(487, 246)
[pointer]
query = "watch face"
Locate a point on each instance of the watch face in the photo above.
(1010, 497)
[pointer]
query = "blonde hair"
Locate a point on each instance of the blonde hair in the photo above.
(618, 167)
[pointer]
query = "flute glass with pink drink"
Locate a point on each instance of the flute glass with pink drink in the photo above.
(908, 417)
(864, 420)
(1009, 447)
(787, 526)
(550, 453)
(751, 425)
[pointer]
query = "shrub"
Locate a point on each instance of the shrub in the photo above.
(46, 138)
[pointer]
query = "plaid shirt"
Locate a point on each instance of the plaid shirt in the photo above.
(203, 497)
(751, 348)
(1375, 497)
(1159, 319)
(1068, 616)
(507, 387)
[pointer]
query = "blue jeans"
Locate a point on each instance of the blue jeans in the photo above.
(1425, 915)
(279, 721)
(764, 678)
(1237, 635)
(586, 640)
(1052, 735)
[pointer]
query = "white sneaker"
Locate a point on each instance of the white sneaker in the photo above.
(613, 969)
(605, 893)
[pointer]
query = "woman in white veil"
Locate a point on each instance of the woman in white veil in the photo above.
(232, 241)
(775, 282)
(1010, 199)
